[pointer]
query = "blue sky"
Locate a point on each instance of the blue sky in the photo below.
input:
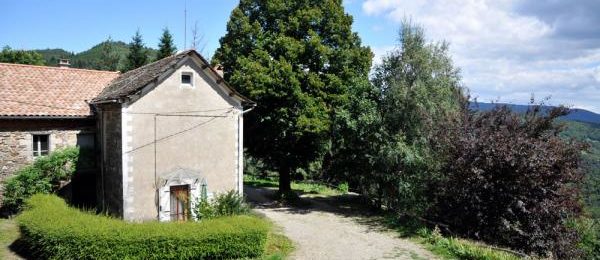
(507, 49)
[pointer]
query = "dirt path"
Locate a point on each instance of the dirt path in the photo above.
(334, 228)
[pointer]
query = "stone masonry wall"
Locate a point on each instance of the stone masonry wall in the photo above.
(16, 142)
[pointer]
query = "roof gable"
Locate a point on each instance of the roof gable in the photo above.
(41, 91)
(134, 81)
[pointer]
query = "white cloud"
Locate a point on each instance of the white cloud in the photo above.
(380, 52)
(505, 52)
(597, 74)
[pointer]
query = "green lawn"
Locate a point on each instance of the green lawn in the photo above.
(278, 246)
(9, 232)
(298, 186)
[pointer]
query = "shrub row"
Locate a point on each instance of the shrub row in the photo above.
(224, 204)
(52, 230)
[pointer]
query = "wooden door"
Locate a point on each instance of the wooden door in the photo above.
(180, 202)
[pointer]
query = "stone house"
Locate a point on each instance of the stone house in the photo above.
(165, 133)
(43, 109)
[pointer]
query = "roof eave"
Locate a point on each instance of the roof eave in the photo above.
(45, 117)
(221, 80)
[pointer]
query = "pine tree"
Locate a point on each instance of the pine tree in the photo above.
(137, 56)
(166, 47)
(109, 59)
(297, 59)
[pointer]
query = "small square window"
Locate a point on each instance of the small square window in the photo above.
(40, 145)
(186, 78)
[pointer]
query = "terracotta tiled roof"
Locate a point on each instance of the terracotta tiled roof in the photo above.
(40, 91)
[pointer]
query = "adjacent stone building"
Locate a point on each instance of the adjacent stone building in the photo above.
(164, 133)
(43, 109)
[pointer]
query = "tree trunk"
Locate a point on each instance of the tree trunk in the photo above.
(284, 180)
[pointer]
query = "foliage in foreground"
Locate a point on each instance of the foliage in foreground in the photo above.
(52, 230)
(461, 249)
(225, 204)
(43, 176)
(512, 181)
(411, 146)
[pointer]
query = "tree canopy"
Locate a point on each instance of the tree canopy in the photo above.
(297, 59)
(109, 58)
(9, 55)
(388, 143)
(166, 47)
(137, 56)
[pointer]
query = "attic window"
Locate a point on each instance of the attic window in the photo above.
(186, 78)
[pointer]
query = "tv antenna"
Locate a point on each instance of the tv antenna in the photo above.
(184, 24)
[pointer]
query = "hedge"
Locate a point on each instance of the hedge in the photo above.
(52, 230)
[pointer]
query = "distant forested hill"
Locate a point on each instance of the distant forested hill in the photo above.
(576, 114)
(589, 133)
(90, 59)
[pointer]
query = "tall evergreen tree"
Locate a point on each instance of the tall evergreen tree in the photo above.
(166, 47)
(109, 59)
(137, 56)
(297, 59)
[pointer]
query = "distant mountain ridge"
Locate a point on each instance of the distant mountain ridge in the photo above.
(577, 114)
(90, 59)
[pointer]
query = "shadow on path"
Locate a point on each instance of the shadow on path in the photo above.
(350, 205)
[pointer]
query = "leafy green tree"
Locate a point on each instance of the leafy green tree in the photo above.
(297, 59)
(389, 144)
(9, 55)
(166, 47)
(109, 58)
(137, 56)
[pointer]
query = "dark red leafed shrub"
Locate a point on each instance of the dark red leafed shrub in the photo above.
(511, 180)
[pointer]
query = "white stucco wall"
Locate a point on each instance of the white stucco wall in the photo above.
(197, 127)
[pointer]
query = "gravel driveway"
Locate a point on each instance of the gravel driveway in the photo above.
(334, 228)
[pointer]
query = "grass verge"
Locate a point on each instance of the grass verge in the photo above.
(9, 233)
(457, 248)
(278, 246)
(304, 187)
(443, 246)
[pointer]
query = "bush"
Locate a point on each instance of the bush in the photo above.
(511, 180)
(43, 176)
(52, 230)
(343, 187)
(225, 204)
